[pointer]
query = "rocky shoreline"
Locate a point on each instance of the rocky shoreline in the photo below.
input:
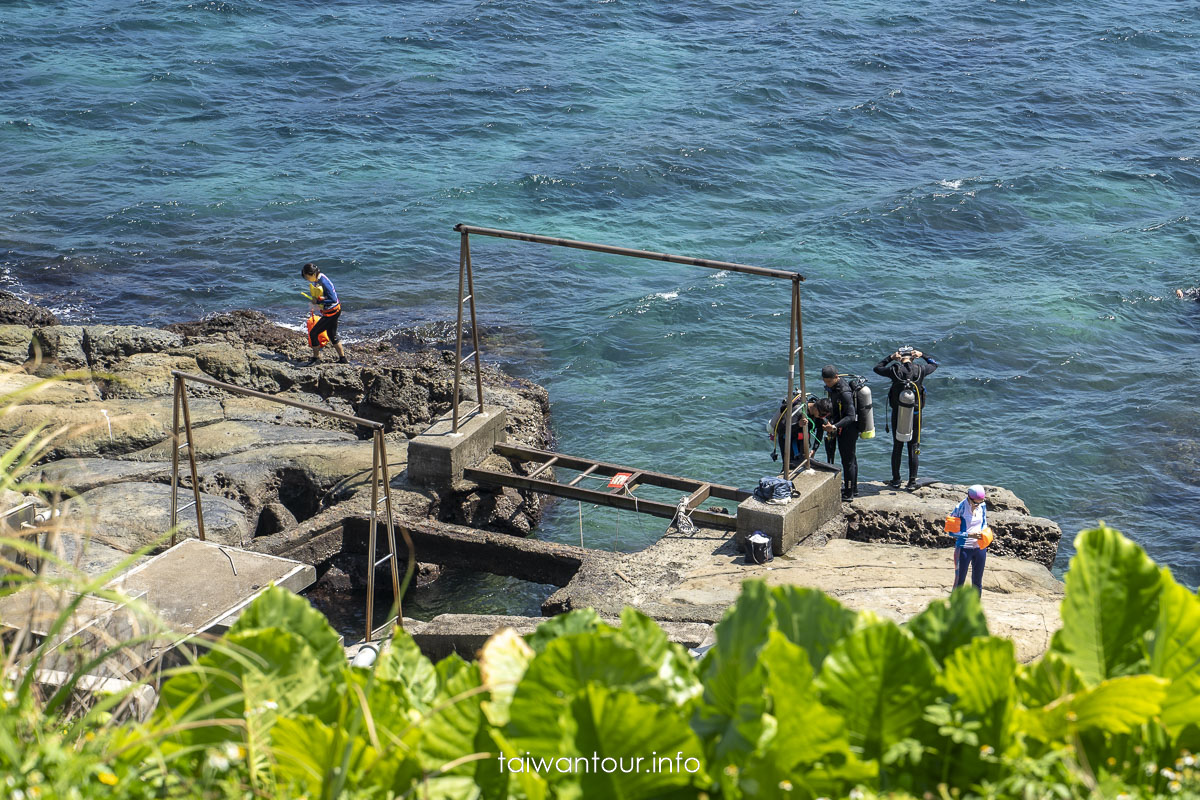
(281, 480)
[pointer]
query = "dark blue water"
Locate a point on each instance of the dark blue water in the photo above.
(1012, 187)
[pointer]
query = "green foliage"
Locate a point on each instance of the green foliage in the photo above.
(799, 697)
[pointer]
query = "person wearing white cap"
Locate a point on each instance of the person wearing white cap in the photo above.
(972, 515)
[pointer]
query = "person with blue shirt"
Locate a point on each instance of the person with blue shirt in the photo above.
(324, 301)
(972, 513)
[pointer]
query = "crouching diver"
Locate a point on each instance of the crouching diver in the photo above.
(907, 399)
(842, 428)
(812, 414)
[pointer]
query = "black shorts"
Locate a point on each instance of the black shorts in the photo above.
(327, 325)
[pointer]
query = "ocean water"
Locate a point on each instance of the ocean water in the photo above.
(1013, 187)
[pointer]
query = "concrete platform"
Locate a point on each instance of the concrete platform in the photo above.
(438, 456)
(787, 525)
(196, 585)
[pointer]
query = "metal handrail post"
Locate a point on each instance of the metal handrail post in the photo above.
(371, 536)
(187, 428)
(398, 586)
(786, 444)
(175, 458)
(462, 269)
(474, 324)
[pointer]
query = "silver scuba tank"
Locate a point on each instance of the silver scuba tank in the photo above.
(866, 417)
(906, 406)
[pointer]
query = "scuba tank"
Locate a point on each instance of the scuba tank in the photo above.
(906, 408)
(866, 417)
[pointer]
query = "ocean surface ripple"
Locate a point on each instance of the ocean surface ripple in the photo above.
(1014, 188)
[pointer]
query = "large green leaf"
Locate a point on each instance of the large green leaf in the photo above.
(880, 678)
(506, 775)
(1046, 680)
(307, 752)
(1114, 706)
(279, 608)
(981, 676)
(449, 731)
(1175, 654)
(503, 660)
(538, 716)
(946, 625)
(675, 666)
(404, 664)
(807, 730)
(631, 747)
(1111, 603)
(811, 619)
(731, 716)
(581, 620)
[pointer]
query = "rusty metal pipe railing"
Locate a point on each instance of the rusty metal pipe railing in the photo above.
(187, 376)
(629, 251)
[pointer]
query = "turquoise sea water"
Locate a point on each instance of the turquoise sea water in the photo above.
(1013, 187)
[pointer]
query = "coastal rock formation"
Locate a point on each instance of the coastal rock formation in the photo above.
(263, 467)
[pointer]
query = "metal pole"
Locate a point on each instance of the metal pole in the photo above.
(398, 587)
(175, 459)
(229, 387)
(474, 324)
(786, 444)
(371, 536)
(807, 454)
(462, 269)
(628, 251)
(187, 427)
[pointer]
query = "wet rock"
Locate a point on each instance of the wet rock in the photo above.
(273, 518)
(84, 474)
(229, 437)
(129, 516)
(15, 311)
(14, 343)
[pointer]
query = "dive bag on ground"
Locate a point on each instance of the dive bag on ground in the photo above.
(773, 488)
(758, 549)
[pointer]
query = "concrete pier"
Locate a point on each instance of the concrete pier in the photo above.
(438, 456)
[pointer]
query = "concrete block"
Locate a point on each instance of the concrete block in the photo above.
(438, 457)
(787, 525)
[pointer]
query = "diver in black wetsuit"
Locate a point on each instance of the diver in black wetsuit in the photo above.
(816, 412)
(842, 428)
(902, 370)
(1188, 294)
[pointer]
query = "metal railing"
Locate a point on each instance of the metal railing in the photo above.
(795, 348)
(379, 476)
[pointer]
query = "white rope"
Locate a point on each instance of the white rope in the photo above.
(104, 411)
(683, 518)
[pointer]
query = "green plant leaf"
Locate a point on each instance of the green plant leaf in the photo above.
(279, 608)
(807, 730)
(880, 678)
(1175, 654)
(503, 660)
(1046, 680)
(676, 667)
(811, 619)
(306, 751)
(1114, 706)
(642, 748)
(946, 625)
(1111, 602)
(539, 721)
(449, 731)
(505, 776)
(982, 675)
(731, 716)
(581, 620)
(404, 664)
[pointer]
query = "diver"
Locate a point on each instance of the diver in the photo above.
(908, 393)
(1189, 294)
(324, 301)
(814, 411)
(841, 428)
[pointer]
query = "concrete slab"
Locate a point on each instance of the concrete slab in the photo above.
(195, 584)
(789, 524)
(438, 456)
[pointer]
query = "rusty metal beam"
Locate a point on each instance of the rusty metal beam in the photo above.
(710, 519)
(592, 466)
(629, 251)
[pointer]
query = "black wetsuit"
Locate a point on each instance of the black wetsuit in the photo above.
(846, 439)
(1192, 294)
(815, 433)
(901, 374)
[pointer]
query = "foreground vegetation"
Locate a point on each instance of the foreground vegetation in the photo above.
(800, 697)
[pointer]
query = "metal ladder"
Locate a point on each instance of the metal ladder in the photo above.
(467, 279)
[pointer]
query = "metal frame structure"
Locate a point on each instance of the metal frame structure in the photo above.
(379, 475)
(466, 277)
